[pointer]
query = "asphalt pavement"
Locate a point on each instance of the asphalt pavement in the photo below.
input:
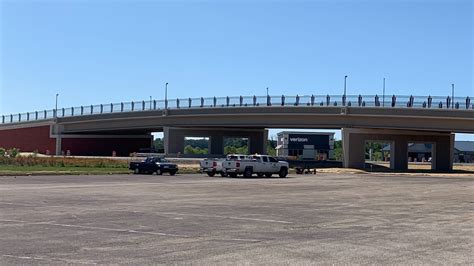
(323, 218)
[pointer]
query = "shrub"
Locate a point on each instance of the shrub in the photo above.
(3, 152)
(13, 152)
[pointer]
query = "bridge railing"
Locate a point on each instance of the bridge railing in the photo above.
(375, 101)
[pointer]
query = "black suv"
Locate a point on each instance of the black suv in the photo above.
(154, 165)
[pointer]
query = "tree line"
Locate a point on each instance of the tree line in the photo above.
(201, 146)
(240, 146)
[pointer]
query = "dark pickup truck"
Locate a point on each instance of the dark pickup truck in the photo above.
(153, 165)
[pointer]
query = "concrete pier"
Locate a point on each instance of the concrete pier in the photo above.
(174, 139)
(354, 147)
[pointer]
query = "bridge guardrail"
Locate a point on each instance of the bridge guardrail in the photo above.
(376, 101)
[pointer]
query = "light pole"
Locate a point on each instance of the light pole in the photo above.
(452, 95)
(56, 106)
(345, 83)
(344, 96)
(383, 95)
(166, 95)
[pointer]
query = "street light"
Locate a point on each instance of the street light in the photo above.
(452, 95)
(344, 96)
(56, 106)
(383, 95)
(166, 95)
(345, 83)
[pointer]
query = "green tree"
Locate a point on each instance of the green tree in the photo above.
(338, 154)
(230, 150)
(242, 150)
(158, 144)
(271, 151)
(236, 146)
(188, 149)
(376, 148)
(201, 143)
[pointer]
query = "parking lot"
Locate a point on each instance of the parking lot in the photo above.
(324, 218)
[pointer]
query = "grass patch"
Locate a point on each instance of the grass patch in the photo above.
(62, 162)
(64, 165)
(60, 165)
(48, 170)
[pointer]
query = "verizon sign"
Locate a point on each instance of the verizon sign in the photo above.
(299, 140)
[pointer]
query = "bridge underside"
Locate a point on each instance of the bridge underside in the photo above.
(45, 139)
(354, 147)
(90, 139)
(175, 137)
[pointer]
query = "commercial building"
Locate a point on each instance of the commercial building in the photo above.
(420, 152)
(464, 151)
(417, 152)
(306, 145)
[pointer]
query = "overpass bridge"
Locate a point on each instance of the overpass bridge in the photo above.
(126, 127)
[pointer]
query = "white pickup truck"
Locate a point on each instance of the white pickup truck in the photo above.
(214, 166)
(256, 164)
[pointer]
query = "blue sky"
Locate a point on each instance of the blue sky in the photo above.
(110, 51)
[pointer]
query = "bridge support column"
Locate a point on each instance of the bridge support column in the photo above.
(174, 139)
(56, 133)
(258, 142)
(58, 145)
(216, 144)
(399, 154)
(354, 147)
(442, 154)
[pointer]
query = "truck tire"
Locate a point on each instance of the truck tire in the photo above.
(260, 174)
(211, 173)
(159, 172)
(136, 171)
(223, 174)
(172, 172)
(299, 170)
(248, 172)
(268, 175)
(283, 172)
(234, 175)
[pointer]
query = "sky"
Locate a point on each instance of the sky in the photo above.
(103, 51)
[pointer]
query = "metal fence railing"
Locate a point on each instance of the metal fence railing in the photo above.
(376, 101)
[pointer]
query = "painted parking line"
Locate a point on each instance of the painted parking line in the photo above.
(45, 259)
(130, 231)
(10, 187)
(226, 217)
(95, 228)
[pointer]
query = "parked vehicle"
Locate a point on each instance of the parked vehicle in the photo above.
(213, 166)
(262, 165)
(154, 165)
